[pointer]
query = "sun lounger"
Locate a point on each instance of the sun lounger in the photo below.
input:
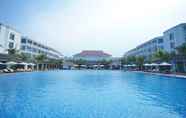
(5, 70)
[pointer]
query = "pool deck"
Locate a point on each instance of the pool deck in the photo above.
(152, 73)
(162, 74)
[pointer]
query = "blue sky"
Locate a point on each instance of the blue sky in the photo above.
(114, 26)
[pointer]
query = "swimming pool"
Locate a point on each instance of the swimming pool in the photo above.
(91, 94)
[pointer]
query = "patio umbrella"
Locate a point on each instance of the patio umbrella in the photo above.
(83, 66)
(31, 64)
(165, 64)
(129, 65)
(2, 63)
(11, 63)
(133, 65)
(154, 64)
(147, 64)
(23, 63)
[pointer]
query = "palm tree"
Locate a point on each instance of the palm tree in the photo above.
(124, 60)
(140, 61)
(80, 62)
(181, 50)
(105, 62)
(161, 55)
(40, 59)
(24, 57)
(12, 51)
(56, 62)
(13, 54)
(131, 59)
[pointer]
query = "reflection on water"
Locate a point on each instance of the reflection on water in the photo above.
(91, 94)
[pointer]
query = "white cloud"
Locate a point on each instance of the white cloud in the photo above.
(111, 25)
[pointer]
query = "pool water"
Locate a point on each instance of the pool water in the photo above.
(91, 94)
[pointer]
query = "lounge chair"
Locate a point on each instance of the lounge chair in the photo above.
(5, 70)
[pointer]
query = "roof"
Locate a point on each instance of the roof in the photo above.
(181, 24)
(92, 53)
(9, 27)
(141, 45)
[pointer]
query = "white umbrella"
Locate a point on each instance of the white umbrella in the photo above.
(1, 63)
(23, 63)
(147, 64)
(154, 64)
(101, 65)
(31, 64)
(75, 65)
(83, 66)
(133, 65)
(165, 64)
(11, 63)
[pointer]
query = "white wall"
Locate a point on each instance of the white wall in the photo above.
(179, 37)
(93, 58)
(5, 32)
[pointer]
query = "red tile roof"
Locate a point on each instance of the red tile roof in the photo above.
(92, 53)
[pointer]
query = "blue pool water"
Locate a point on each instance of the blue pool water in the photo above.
(91, 94)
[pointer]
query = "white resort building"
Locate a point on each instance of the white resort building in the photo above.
(33, 48)
(92, 55)
(171, 39)
(9, 39)
(12, 39)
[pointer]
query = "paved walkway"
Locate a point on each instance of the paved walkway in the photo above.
(167, 75)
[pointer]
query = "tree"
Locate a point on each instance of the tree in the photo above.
(24, 57)
(80, 62)
(40, 58)
(161, 55)
(131, 60)
(181, 50)
(124, 60)
(105, 62)
(140, 61)
(12, 51)
(13, 54)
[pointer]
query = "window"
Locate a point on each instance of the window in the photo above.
(12, 36)
(171, 36)
(160, 40)
(184, 28)
(161, 47)
(23, 47)
(11, 45)
(154, 41)
(172, 45)
(23, 40)
(29, 41)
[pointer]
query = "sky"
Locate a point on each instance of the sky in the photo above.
(114, 26)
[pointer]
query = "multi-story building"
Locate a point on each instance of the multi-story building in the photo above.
(171, 39)
(9, 39)
(92, 55)
(174, 37)
(33, 48)
(148, 48)
(12, 39)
